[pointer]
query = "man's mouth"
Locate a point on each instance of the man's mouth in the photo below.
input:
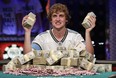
(58, 23)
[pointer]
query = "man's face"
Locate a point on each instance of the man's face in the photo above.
(58, 20)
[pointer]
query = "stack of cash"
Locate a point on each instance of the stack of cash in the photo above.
(86, 22)
(100, 68)
(54, 57)
(27, 57)
(12, 65)
(85, 64)
(82, 53)
(69, 61)
(90, 57)
(68, 58)
(73, 53)
(30, 20)
(80, 47)
(50, 57)
(41, 56)
(39, 61)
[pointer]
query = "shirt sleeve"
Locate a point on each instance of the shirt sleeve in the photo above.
(37, 42)
(36, 46)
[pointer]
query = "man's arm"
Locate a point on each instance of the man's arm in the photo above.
(27, 42)
(89, 46)
(27, 39)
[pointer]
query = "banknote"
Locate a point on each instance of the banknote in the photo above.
(89, 56)
(85, 64)
(103, 68)
(27, 57)
(86, 22)
(30, 20)
(82, 53)
(80, 46)
(73, 53)
(39, 61)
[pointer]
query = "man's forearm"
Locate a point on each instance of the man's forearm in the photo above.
(89, 46)
(27, 42)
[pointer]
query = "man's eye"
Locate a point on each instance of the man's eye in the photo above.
(54, 15)
(61, 15)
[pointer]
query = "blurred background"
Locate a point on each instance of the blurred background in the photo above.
(103, 35)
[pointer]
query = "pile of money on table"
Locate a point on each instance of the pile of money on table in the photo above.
(76, 57)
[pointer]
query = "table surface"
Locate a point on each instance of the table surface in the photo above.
(101, 75)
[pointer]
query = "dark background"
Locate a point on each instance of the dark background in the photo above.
(78, 10)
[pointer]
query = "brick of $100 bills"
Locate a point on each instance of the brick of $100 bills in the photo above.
(27, 57)
(29, 22)
(86, 22)
(69, 61)
(54, 57)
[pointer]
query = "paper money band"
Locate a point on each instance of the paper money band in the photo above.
(69, 61)
(31, 19)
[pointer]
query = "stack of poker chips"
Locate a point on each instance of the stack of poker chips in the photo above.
(30, 20)
(86, 22)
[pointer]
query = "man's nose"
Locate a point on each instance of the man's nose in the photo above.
(58, 18)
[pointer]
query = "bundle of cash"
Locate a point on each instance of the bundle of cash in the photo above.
(80, 47)
(39, 61)
(69, 61)
(45, 53)
(61, 47)
(73, 53)
(66, 61)
(89, 57)
(30, 20)
(74, 61)
(100, 68)
(86, 23)
(65, 53)
(83, 53)
(8, 67)
(27, 57)
(54, 57)
(85, 64)
(12, 65)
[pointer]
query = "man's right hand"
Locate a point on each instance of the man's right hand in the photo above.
(25, 28)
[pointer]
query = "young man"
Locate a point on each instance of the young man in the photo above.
(50, 39)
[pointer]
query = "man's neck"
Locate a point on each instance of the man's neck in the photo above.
(59, 34)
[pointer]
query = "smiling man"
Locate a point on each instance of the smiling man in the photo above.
(58, 16)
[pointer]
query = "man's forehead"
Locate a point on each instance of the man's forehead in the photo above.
(59, 13)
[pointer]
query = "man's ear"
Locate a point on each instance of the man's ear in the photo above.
(66, 20)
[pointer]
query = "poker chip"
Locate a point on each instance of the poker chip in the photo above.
(12, 51)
